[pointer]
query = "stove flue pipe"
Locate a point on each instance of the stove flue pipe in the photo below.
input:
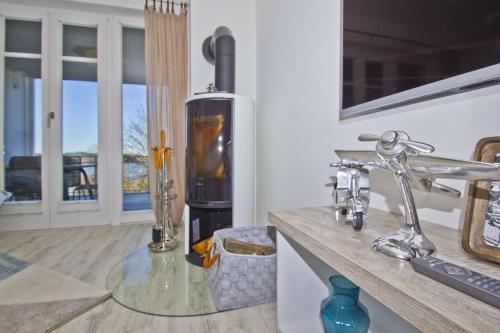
(219, 50)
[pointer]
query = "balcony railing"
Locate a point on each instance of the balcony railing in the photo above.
(23, 179)
(135, 183)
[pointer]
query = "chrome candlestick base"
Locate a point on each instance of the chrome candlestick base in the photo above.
(162, 241)
(404, 244)
(167, 245)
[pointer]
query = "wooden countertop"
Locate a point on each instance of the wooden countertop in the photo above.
(425, 303)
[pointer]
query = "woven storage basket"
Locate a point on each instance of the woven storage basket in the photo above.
(238, 280)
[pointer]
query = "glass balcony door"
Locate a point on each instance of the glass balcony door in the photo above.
(135, 180)
(24, 167)
(72, 119)
(79, 191)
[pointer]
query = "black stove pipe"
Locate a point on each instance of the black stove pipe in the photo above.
(219, 50)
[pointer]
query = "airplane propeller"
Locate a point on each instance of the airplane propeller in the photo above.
(390, 138)
(368, 137)
(418, 146)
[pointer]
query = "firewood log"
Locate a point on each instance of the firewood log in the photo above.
(239, 247)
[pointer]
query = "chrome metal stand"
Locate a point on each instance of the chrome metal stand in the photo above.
(409, 241)
(163, 231)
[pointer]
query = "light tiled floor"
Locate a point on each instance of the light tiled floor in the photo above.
(89, 254)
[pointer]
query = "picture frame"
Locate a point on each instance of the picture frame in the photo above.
(481, 230)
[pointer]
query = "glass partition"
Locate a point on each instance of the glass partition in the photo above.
(209, 152)
(135, 179)
(22, 110)
(79, 113)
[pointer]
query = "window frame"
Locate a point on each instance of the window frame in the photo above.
(116, 132)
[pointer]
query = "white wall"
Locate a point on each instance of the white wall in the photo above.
(239, 16)
(298, 127)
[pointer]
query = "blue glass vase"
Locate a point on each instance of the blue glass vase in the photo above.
(342, 313)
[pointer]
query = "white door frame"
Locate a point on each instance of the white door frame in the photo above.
(27, 215)
(89, 212)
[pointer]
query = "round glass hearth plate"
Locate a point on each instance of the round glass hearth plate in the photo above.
(161, 283)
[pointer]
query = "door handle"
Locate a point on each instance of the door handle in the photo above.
(50, 117)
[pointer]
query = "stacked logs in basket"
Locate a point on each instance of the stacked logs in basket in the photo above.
(239, 247)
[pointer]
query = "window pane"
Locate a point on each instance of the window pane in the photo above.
(79, 71)
(135, 148)
(80, 131)
(79, 41)
(133, 56)
(22, 128)
(23, 36)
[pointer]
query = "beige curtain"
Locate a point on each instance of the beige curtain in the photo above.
(166, 78)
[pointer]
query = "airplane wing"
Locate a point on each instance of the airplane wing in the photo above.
(429, 185)
(425, 166)
(364, 157)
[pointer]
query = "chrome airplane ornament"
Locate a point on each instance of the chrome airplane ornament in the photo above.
(412, 167)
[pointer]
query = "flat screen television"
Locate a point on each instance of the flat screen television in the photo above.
(398, 52)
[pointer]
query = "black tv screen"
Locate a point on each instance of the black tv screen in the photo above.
(392, 46)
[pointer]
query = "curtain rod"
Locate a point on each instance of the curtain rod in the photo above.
(184, 4)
